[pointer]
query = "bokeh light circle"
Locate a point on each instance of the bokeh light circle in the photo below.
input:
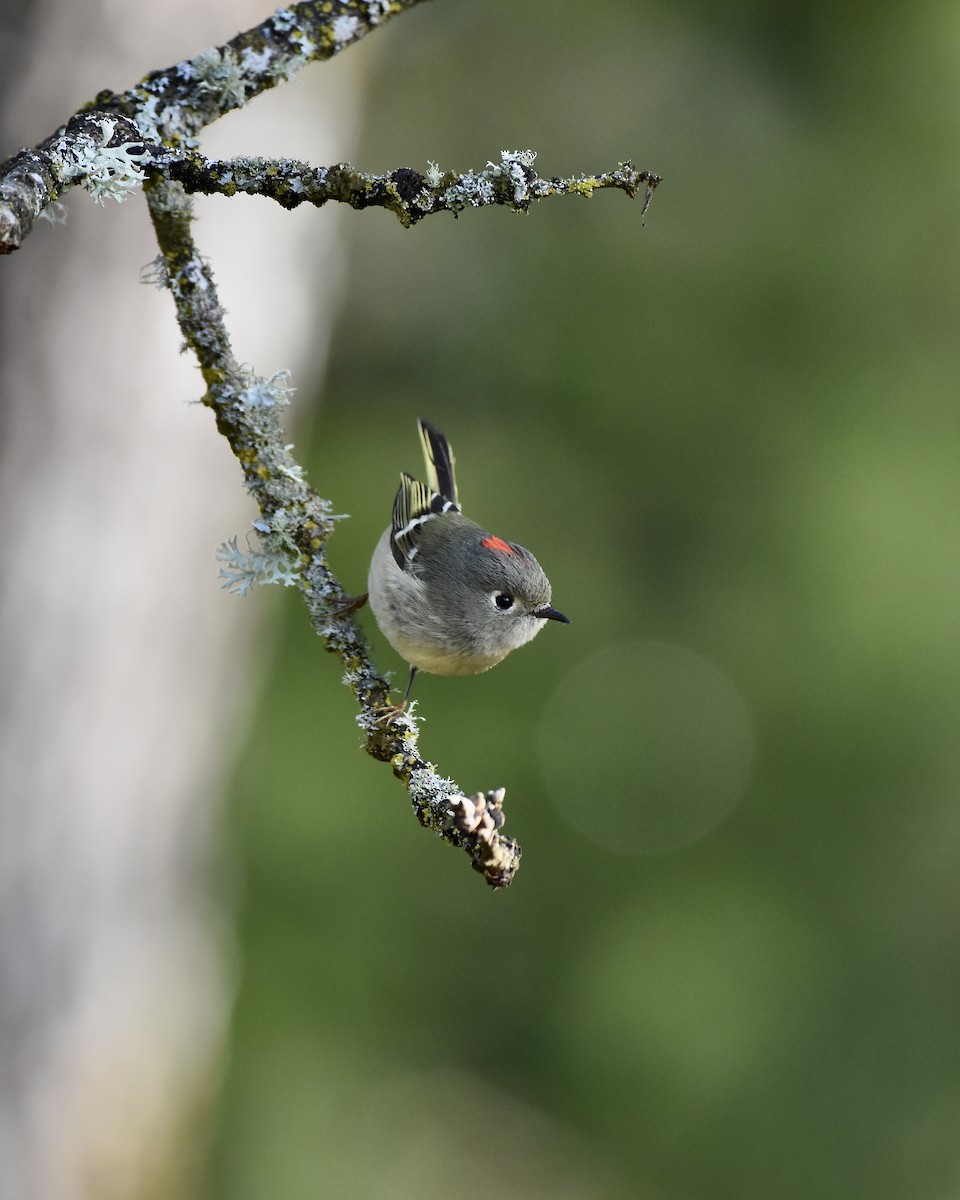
(645, 747)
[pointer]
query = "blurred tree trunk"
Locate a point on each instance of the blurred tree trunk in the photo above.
(123, 666)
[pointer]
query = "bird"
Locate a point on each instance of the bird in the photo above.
(449, 596)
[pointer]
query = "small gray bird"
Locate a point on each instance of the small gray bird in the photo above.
(450, 597)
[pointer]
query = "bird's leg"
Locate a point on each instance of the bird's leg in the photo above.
(406, 694)
(350, 605)
(394, 710)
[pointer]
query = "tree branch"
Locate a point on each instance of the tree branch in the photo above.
(407, 193)
(296, 523)
(168, 108)
(148, 135)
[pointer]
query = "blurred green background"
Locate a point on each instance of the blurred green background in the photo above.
(728, 967)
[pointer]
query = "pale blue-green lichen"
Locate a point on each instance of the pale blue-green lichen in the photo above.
(283, 67)
(255, 61)
(107, 172)
(219, 71)
(283, 20)
(515, 165)
(307, 46)
(258, 392)
(429, 788)
(55, 213)
(344, 28)
(242, 569)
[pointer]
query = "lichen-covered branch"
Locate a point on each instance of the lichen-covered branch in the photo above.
(107, 153)
(111, 143)
(295, 524)
(147, 135)
(408, 194)
(181, 100)
(169, 107)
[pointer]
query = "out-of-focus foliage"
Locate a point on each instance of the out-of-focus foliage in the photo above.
(729, 965)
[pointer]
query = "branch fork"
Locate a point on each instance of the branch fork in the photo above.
(147, 136)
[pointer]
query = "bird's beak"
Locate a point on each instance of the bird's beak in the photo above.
(550, 614)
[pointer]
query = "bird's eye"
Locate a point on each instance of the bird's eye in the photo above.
(503, 601)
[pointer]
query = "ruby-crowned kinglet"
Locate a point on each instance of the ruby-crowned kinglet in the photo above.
(450, 597)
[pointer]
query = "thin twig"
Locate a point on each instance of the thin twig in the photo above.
(407, 193)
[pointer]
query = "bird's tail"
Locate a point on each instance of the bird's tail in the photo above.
(440, 462)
